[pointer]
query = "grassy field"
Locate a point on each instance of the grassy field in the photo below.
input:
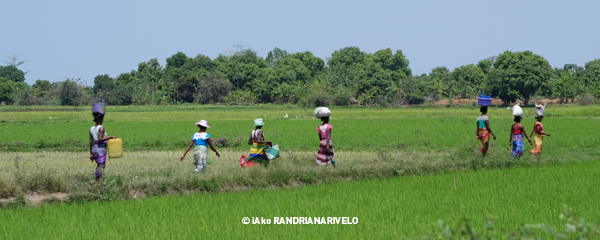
(155, 173)
(155, 128)
(394, 172)
(369, 143)
(385, 208)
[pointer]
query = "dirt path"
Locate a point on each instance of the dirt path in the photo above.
(36, 199)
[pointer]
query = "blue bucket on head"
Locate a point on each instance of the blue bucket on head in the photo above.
(484, 101)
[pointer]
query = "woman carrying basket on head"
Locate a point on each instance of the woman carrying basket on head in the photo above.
(484, 130)
(325, 155)
(98, 140)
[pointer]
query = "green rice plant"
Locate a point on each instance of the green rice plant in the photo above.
(404, 206)
(574, 228)
(395, 132)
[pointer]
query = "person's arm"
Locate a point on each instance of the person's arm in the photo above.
(101, 133)
(188, 149)
(477, 130)
(487, 125)
(523, 131)
(328, 140)
(511, 136)
(211, 147)
(250, 140)
(541, 131)
(532, 131)
(91, 145)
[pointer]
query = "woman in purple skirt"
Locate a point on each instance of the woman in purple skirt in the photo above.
(98, 139)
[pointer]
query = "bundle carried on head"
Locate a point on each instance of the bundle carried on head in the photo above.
(322, 112)
(98, 107)
(540, 110)
(517, 111)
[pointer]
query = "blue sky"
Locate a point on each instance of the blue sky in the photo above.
(81, 39)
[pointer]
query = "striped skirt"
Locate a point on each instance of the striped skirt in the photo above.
(257, 152)
(325, 157)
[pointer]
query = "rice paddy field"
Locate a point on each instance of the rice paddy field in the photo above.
(394, 173)
(384, 208)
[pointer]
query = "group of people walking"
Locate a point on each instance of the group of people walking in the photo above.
(517, 131)
(201, 140)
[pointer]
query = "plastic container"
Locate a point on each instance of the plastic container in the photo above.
(115, 148)
(484, 101)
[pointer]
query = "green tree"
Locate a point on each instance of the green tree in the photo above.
(275, 55)
(485, 65)
(150, 72)
(348, 56)
(566, 86)
(103, 83)
(40, 88)
(592, 70)
(385, 71)
(212, 89)
(71, 92)
(103, 88)
(177, 60)
(314, 64)
(396, 62)
(519, 75)
(12, 73)
(24, 97)
(442, 83)
(125, 78)
(23, 93)
(7, 90)
(470, 80)
(200, 63)
(570, 66)
(292, 69)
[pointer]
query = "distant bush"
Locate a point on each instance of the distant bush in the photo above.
(71, 94)
(588, 100)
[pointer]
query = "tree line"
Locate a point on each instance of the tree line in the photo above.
(349, 77)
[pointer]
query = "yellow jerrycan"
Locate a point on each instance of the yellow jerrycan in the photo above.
(115, 148)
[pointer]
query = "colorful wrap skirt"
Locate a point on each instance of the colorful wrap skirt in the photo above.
(99, 154)
(537, 143)
(484, 136)
(325, 157)
(257, 153)
(517, 145)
